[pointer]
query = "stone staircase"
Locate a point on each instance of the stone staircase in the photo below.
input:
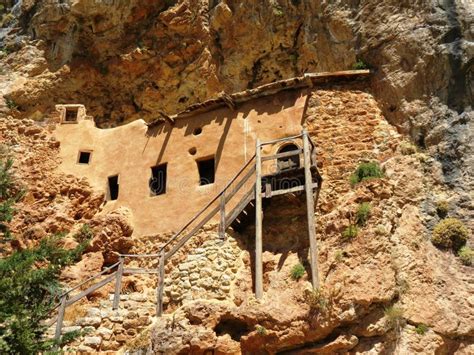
(105, 329)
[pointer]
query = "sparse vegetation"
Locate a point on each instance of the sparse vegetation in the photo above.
(84, 234)
(442, 208)
(366, 171)
(360, 65)
(11, 104)
(316, 300)
(363, 213)
(450, 233)
(421, 329)
(466, 255)
(408, 148)
(350, 232)
(140, 342)
(277, 9)
(297, 272)
(380, 230)
(339, 255)
(261, 330)
(394, 317)
(402, 286)
(76, 311)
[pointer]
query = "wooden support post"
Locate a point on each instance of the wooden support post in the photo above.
(222, 212)
(161, 284)
(268, 189)
(258, 223)
(118, 283)
(59, 322)
(310, 211)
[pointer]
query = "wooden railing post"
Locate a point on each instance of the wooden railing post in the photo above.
(118, 283)
(161, 284)
(222, 221)
(59, 322)
(258, 223)
(310, 211)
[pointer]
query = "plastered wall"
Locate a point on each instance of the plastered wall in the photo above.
(131, 150)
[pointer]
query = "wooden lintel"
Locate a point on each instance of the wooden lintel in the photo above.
(167, 118)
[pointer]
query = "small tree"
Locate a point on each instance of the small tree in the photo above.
(28, 289)
(366, 171)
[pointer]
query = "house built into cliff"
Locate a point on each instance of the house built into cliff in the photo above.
(164, 171)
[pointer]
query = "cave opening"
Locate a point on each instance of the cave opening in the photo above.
(234, 327)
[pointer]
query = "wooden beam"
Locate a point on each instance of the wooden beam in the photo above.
(222, 213)
(293, 153)
(132, 271)
(268, 189)
(91, 289)
(170, 120)
(59, 323)
(228, 100)
(245, 200)
(118, 284)
(258, 223)
(161, 284)
(310, 211)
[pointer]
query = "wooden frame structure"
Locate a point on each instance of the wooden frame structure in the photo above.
(253, 188)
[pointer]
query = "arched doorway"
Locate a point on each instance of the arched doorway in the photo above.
(289, 162)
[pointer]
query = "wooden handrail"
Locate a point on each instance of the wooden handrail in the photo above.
(196, 216)
(280, 140)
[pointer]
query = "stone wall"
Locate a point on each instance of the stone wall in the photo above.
(104, 329)
(206, 273)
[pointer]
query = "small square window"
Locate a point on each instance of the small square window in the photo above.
(84, 157)
(207, 171)
(71, 114)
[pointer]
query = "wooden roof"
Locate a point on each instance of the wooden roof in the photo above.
(231, 100)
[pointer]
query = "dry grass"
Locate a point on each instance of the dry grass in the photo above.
(76, 311)
(140, 342)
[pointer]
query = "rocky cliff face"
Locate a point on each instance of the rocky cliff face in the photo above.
(132, 59)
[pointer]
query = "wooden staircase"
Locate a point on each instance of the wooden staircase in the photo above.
(246, 195)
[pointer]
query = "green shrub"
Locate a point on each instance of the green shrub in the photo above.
(466, 255)
(11, 104)
(360, 65)
(9, 192)
(450, 233)
(366, 171)
(316, 300)
(84, 234)
(29, 287)
(363, 213)
(421, 329)
(442, 208)
(297, 272)
(261, 330)
(350, 232)
(394, 316)
(408, 148)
